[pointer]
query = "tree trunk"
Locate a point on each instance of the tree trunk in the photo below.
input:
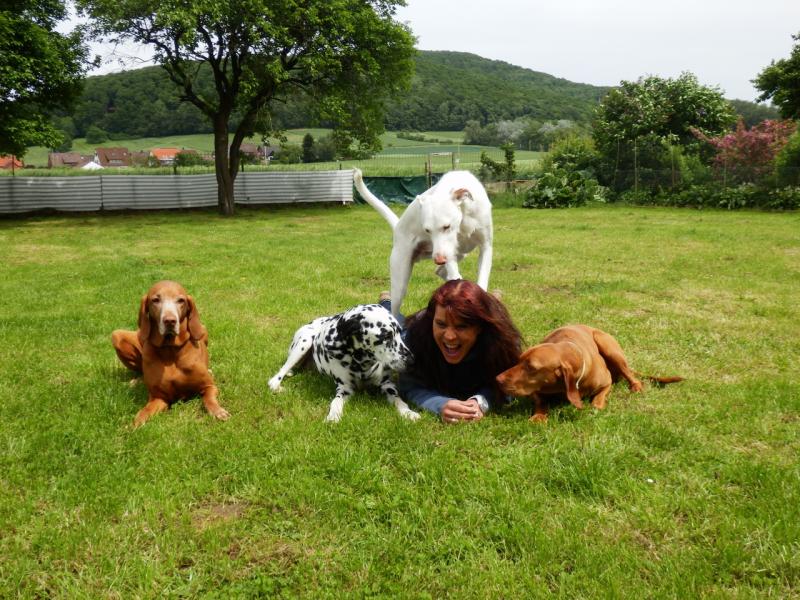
(224, 167)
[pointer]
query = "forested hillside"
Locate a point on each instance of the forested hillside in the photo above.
(451, 88)
(448, 90)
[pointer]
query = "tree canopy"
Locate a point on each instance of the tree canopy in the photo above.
(646, 123)
(348, 56)
(40, 70)
(780, 82)
(666, 108)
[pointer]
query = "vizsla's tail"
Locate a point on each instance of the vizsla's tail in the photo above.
(372, 200)
(659, 381)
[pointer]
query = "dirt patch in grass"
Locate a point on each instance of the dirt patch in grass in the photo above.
(41, 254)
(212, 514)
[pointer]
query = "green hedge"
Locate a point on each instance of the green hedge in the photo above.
(709, 196)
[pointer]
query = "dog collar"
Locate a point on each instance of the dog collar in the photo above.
(583, 364)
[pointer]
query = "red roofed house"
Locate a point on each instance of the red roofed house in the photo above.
(113, 157)
(10, 162)
(165, 156)
(67, 159)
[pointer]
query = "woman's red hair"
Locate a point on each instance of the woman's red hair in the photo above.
(498, 345)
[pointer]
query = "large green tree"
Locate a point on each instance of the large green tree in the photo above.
(780, 82)
(348, 55)
(40, 71)
(647, 123)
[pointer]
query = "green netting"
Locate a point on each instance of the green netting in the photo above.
(396, 189)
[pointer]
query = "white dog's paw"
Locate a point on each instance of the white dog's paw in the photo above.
(334, 416)
(336, 411)
(409, 414)
(275, 384)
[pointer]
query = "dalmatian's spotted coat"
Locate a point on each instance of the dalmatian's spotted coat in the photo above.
(360, 347)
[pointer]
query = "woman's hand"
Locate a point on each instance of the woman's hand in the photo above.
(461, 410)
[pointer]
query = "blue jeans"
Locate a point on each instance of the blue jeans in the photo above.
(387, 304)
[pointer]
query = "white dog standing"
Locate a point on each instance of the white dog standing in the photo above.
(445, 222)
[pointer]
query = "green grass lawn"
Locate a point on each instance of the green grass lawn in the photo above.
(688, 491)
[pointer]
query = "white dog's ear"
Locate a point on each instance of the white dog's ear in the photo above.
(460, 195)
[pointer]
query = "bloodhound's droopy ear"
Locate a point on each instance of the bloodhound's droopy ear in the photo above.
(144, 320)
(195, 326)
(571, 386)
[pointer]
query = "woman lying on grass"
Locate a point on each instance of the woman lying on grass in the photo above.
(461, 342)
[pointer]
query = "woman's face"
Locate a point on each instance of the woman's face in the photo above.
(454, 337)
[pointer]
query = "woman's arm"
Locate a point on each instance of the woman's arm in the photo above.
(414, 391)
(451, 410)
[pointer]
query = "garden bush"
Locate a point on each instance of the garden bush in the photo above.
(568, 176)
(561, 188)
(573, 153)
(787, 162)
(746, 195)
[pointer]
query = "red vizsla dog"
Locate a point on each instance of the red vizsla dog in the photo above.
(170, 350)
(575, 361)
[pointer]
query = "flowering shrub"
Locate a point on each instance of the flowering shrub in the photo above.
(748, 155)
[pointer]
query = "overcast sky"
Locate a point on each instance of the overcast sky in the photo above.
(726, 43)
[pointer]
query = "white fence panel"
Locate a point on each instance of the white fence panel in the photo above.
(148, 192)
(28, 194)
(294, 186)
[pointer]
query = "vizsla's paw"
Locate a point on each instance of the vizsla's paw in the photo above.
(636, 386)
(538, 418)
(599, 405)
(220, 413)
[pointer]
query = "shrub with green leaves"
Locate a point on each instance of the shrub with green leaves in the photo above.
(502, 171)
(787, 162)
(573, 153)
(786, 198)
(746, 195)
(562, 188)
(568, 176)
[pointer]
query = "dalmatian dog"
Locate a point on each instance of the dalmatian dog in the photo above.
(360, 347)
(444, 223)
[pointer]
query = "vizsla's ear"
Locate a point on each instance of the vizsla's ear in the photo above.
(144, 320)
(195, 326)
(571, 387)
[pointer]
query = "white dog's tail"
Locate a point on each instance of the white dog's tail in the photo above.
(373, 200)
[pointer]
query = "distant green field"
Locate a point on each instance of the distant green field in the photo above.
(400, 157)
(204, 142)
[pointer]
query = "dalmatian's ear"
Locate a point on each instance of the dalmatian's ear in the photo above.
(348, 327)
